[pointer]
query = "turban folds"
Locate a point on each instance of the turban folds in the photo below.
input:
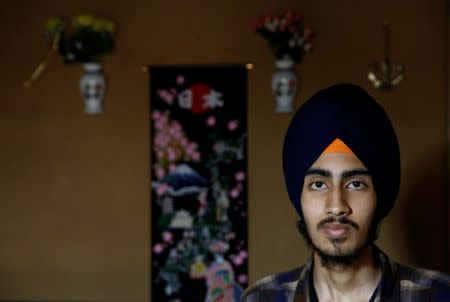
(348, 113)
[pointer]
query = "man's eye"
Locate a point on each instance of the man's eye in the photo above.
(355, 185)
(318, 185)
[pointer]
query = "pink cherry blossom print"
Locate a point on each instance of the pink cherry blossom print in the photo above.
(211, 121)
(160, 172)
(242, 278)
(238, 261)
(156, 114)
(171, 154)
(166, 96)
(172, 167)
(243, 254)
(234, 193)
(196, 156)
(158, 248)
(162, 189)
(239, 176)
(167, 237)
(232, 125)
(180, 79)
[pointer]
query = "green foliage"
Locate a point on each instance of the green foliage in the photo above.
(87, 39)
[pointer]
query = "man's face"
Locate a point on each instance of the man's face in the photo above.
(338, 201)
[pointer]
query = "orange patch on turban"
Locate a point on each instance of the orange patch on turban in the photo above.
(338, 146)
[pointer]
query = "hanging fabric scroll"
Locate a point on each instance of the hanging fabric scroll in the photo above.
(199, 182)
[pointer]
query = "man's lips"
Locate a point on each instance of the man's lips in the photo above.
(336, 230)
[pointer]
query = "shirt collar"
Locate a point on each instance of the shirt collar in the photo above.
(388, 287)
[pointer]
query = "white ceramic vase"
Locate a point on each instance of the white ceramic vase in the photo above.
(284, 84)
(92, 86)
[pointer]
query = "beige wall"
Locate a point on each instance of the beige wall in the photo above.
(74, 189)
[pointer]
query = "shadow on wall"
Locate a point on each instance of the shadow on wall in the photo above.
(425, 213)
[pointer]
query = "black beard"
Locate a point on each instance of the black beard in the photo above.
(338, 259)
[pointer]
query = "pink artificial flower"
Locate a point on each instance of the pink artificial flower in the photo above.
(167, 237)
(180, 79)
(158, 248)
(242, 278)
(172, 167)
(239, 176)
(162, 189)
(232, 125)
(211, 121)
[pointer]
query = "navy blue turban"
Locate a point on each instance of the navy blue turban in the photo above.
(347, 112)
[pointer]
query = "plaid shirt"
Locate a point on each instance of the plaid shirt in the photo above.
(398, 283)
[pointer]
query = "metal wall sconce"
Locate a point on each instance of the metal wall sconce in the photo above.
(384, 74)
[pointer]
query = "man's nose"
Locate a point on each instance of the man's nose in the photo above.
(337, 204)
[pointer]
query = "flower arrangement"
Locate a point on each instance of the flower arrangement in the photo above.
(286, 34)
(87, 38)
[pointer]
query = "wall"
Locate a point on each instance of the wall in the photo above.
(74, 189)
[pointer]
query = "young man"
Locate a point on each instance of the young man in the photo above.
(341, 164)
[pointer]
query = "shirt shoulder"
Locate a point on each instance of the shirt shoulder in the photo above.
(419, 281)
(274, 288)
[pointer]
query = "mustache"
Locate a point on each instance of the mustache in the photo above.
(342, 220)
